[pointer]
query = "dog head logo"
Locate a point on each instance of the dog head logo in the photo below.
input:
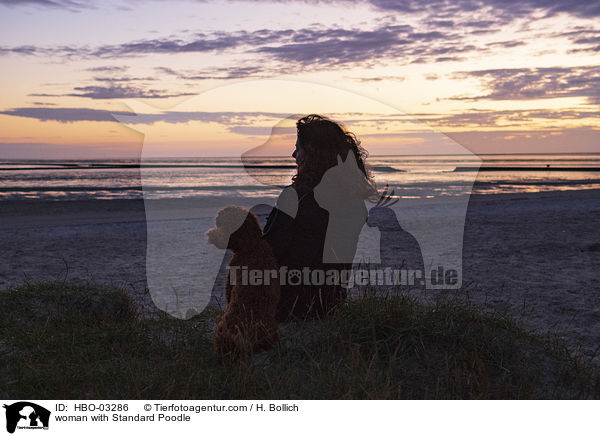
(26, 415)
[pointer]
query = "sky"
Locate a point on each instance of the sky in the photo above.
(212, 78)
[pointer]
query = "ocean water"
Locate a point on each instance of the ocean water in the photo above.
(410, 176)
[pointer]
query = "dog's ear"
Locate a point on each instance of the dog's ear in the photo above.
(231, 218)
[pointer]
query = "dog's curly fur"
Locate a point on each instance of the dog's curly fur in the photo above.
(248, 324)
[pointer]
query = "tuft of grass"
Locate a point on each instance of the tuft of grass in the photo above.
(88, 342)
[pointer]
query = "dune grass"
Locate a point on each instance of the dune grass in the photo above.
(87, 342)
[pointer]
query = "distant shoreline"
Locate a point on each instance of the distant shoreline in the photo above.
(411, 177)
(121, 158)
(523, 168)
(136, 166)
(136, 192)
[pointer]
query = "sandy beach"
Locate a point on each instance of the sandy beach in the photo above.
(534, 256)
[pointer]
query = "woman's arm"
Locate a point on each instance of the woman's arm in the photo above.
(279, 233)
(298, 241)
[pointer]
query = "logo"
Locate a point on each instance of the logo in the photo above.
(26, 415)
(416, 224)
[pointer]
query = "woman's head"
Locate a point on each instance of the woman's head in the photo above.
(320, 142)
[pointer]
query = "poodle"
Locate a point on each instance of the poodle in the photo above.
(248, 324)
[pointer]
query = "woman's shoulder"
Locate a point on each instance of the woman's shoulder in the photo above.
(288, 201)
(284, 212)
(291, 199)
(293, 207)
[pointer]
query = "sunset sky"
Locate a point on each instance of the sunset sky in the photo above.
(494, 76)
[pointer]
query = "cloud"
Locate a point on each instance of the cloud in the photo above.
(121, 91)
(378, 78)
(231, 119)
(442, 23)
(251, 130)
(440, 11)
(69, 115)
(54, 151)
(309, 47)
(474, 118)
(336, 46)
(123, 79)
(22, 50)
(537, 83)
(505, 8)
(108, 69)
(221, 73)
(64, 115)
(589, 39)
(507, 118)
(506, 44)
(46, 3)
(583, 139)
(113, 92)
(202, 43)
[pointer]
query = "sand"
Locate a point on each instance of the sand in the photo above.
(535, 256)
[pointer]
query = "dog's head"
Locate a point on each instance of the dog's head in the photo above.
(235, 228)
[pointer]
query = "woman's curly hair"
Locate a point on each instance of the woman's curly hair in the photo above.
(323, 141)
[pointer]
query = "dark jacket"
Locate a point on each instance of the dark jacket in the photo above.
(297, 244)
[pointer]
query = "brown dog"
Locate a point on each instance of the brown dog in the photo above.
(248, 324)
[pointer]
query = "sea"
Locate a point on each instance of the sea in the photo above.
(410, 176)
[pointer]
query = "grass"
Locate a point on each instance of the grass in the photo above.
(86, 342)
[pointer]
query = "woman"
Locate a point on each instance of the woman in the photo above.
(319, 232)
